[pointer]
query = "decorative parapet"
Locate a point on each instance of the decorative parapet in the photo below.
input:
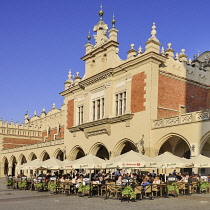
(34, 146)
(187, 118)
(171, 121)
(200, 116)
(192, 117)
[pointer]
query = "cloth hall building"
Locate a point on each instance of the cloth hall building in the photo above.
(154, 101)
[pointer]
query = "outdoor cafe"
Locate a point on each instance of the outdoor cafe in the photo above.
(130, 176)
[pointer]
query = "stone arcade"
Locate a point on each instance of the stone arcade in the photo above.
(154, 101)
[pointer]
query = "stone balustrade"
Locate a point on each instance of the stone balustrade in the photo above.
(34, 146)
(192, 117)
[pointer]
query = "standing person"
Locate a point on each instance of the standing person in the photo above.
(116, 174)
(153, 173)
(174, 173)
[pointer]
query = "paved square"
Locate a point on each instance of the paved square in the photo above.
(32, 200)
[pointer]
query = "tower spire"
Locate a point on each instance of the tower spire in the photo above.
(101, 12)
(89, 37)
(113, 21)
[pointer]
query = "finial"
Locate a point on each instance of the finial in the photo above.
(182, 55)
(177, 56)
(43, 110)
(169, 45)
(101, 13)
(89, 37)
(195, 56)
(140, 50)
(77, 74)
(53, 106)
(182, 51)
(153, 32)
(113, 21)
(26, 112)
(34, 113)
(132, 46)
(162, 50)
(117, 50)
(70, 75)
(198, 53)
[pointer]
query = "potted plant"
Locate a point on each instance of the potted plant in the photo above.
(22, 184)
(129, 193)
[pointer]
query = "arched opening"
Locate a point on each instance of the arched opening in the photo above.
(80, 154)
(60, 155)
(34, 157)
(205, 145)
(23, 160)
(45, 156)
(14, 163)
(100, 151)
(76, 153)
(124, 146)
(128, 147)
(6, 166)
(205, 150)
(177, 146)
(103, 153)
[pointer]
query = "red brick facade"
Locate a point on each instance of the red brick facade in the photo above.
(70, 113)
(138, 92)
(9, 142)
(52, 134)
(172, 93)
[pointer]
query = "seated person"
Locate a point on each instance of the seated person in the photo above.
(102, 180)
(119, 181)
(185, 179)
(145, 183)
(80, 179)
(62, 179)
(194, 178)
(156, 180)
(178, 176)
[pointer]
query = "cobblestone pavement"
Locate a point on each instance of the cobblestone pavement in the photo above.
(32, 200)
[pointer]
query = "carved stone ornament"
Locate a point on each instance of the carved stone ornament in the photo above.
(98, 130)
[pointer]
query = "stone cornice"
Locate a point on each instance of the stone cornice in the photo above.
(71, 90)
(148, 57)
(95, 78)
(82, 127)
(183, 79)
(99, 49)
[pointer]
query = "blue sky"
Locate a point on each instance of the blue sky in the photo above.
(41, 40)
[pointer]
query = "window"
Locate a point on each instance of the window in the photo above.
(80, 115)
(98, 109)
(94, 110)
(120, 103)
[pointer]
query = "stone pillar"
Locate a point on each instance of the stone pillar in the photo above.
(113, 34)
(10, 170)
(195, 150)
